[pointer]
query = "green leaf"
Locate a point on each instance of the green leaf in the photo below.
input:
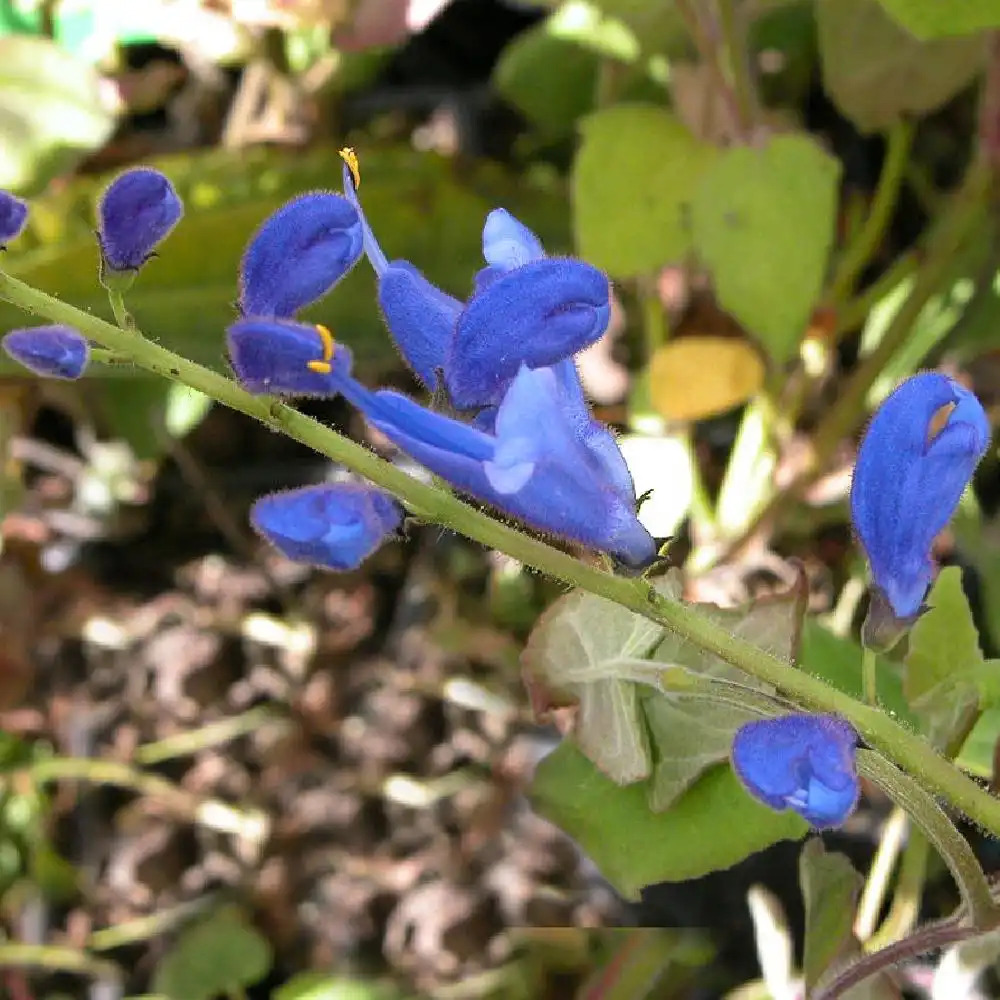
(944, 659)
(978, 751)
(830, 890)
(876, 72)
(51, 112)
(689, 736)
(944, 642)
(838, 662)
(220, 954)
(633, 178)
(634, 847)
(185, 409)
(763, 221)
(420, 206)
(934, 19)
(551, 71)
(588, 650)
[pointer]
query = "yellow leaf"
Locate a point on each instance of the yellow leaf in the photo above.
(700, 376)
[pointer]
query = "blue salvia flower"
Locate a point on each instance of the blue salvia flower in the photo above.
(545, 460)
(916, 458)
(333, 525)
(800, 762)
(50, 351)
(539, 456)
(285, 358)
(298, 254)
(13, 217)
(537, 314)
(135, 214)
(527, 310)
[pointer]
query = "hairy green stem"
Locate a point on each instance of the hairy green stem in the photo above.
(954, 849)
(866, 242)
(908, 750)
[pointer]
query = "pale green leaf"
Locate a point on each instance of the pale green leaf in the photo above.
(944, 642)
(634, 847)
(589, 650)
(185, 409)
(979, 750)
(772, 625)
(943, 660)
(51, 112)
(763, 221)
(876, 71)
(689, 735)
(633, 179)
(936, 18)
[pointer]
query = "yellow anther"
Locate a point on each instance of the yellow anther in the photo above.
(349, 157)
(323, 366)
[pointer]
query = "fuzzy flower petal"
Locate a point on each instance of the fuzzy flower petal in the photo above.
(271, 356)
(917, 456)
(538, 314)
(535, 465)
(298, 254)
(507, 243)
(50, 351)
(335, 525)
(420, 317)
(13, 217)
(136, 213)
(800, 762)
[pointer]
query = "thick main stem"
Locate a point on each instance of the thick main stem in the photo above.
(940, 831)
(909, 751)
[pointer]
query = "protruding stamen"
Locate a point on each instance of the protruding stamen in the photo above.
(323, 366)
(350, 157)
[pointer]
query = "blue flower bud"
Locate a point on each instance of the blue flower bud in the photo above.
(50, 351)
(800, 762)
(136, 213)
(538, 314)
(13, 217)
(299, 254)
(916, 458)
(286, 359)
(334, 525)
(507, 243)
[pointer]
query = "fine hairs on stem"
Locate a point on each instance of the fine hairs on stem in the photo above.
(909, 752)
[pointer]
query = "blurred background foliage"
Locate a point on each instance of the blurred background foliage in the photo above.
(796, 201)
